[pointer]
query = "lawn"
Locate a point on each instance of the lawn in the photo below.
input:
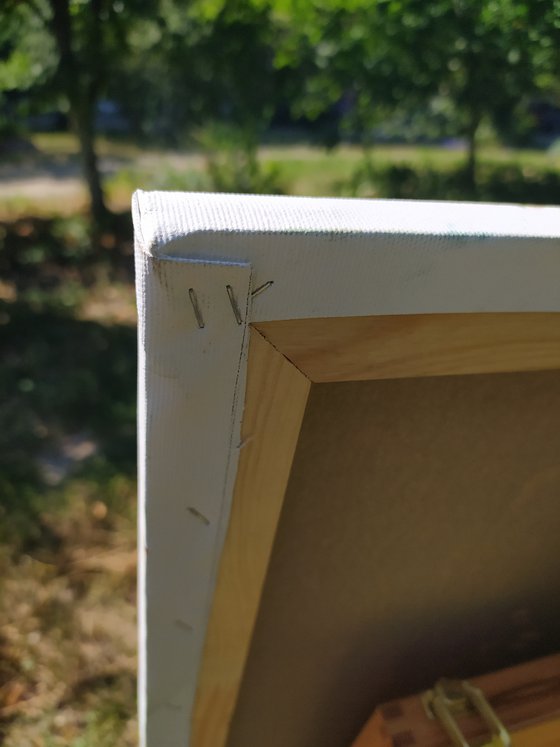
(505, 174)
(46, 180)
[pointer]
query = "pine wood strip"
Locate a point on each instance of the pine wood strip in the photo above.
(275, 402)
(388, 347)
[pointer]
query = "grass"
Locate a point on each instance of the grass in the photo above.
(65, 144)
(313, 171)
(299, 169)
(68, 633)
(316, 172)
(67, 487)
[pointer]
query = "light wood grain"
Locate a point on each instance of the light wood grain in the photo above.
(388, 347)
(275, 403)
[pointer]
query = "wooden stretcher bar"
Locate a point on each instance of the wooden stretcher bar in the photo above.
(526, 698)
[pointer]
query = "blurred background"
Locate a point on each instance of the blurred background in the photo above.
(427, 99)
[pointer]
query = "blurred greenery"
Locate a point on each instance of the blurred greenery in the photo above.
(360, 71)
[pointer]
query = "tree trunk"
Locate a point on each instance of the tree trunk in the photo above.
(472, 152)
(83, 113)
(81, 82)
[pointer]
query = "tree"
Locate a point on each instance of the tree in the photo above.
(88, 39)
(77, 30)
(200, 62)
(482, 56)
(175, 64)
(27, 61)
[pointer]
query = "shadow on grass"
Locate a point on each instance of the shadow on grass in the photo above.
(45, 252)
(61, 376)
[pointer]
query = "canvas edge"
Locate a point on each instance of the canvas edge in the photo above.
(151, 246)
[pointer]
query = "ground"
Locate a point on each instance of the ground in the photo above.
(67, 485)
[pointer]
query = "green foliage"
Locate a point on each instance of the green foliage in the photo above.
(230, 163)
(27, 61)
(27, 55)
(452, 62)
(195, 61)
(360, 68)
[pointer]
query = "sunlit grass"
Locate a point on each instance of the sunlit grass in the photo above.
(66, 144)
(314, 171)
(301, 169)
